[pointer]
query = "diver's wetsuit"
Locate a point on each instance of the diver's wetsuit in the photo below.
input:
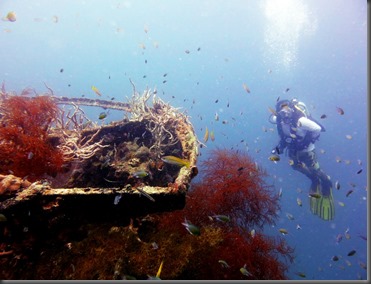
(297, 135)
(306, 163)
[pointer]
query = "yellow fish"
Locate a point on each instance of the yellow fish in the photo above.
(159, 270)
(206, 136)
(283, 231)
(315, 195)
(10, 17)
(95, 89)
(175, 161)
(157, 277)
(274, 158)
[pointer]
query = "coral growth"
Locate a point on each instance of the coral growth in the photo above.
(232, 185)
(25, 149)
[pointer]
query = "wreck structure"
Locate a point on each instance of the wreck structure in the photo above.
(109, 171)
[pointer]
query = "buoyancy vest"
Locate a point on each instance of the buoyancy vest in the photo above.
(293, 141)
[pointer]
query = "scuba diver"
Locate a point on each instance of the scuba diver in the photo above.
(298, 132)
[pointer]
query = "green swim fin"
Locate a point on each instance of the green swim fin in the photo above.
(326, 208)
(314, 189)
(322, 206)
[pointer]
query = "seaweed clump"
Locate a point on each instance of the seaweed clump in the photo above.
(25, 148)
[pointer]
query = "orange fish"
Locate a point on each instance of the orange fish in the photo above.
(95, 89)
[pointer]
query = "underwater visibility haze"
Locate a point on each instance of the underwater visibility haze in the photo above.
(223, 64)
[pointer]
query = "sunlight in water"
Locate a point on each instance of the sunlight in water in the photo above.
(287, 20)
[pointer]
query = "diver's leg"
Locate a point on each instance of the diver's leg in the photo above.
(321, 183)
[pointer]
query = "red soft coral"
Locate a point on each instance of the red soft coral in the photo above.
(24, 146)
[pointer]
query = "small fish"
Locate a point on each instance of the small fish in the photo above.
(30, 155)
(287, 89)
(301, 274)
(163, 82)
(349, 137)
(244, 271)
(164, 75)
(221, 218)
(192, 229)
(154, 245)
(359, 171)
(140, 174)
(337, 185)
(159, 270)
(216, 101)
(117, 199)
(363, 237)
(157, 277)
(102, 115)
(341, 204)
(362, 265)
(252, 233)
(283, 231)
(346, 234)
(10, 17)
(246, 88)
(315, 195)
(95, 89)
(280, 192)
(323, 116)
(175, 161)
(187, 51)
(274, 158)
(335, 258)
(141, 191)
(298, 227)
(216, 116)
(206, 135)
(223, 263)
(340, 110)
(272, 111)
(349, 192)
(299, 202)
(61, 70)
(290, 216)
(212, 135)
(339, 237)
(3, 218)
(198, 49)
(352, 252)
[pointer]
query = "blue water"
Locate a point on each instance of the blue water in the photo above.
(316, 49)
